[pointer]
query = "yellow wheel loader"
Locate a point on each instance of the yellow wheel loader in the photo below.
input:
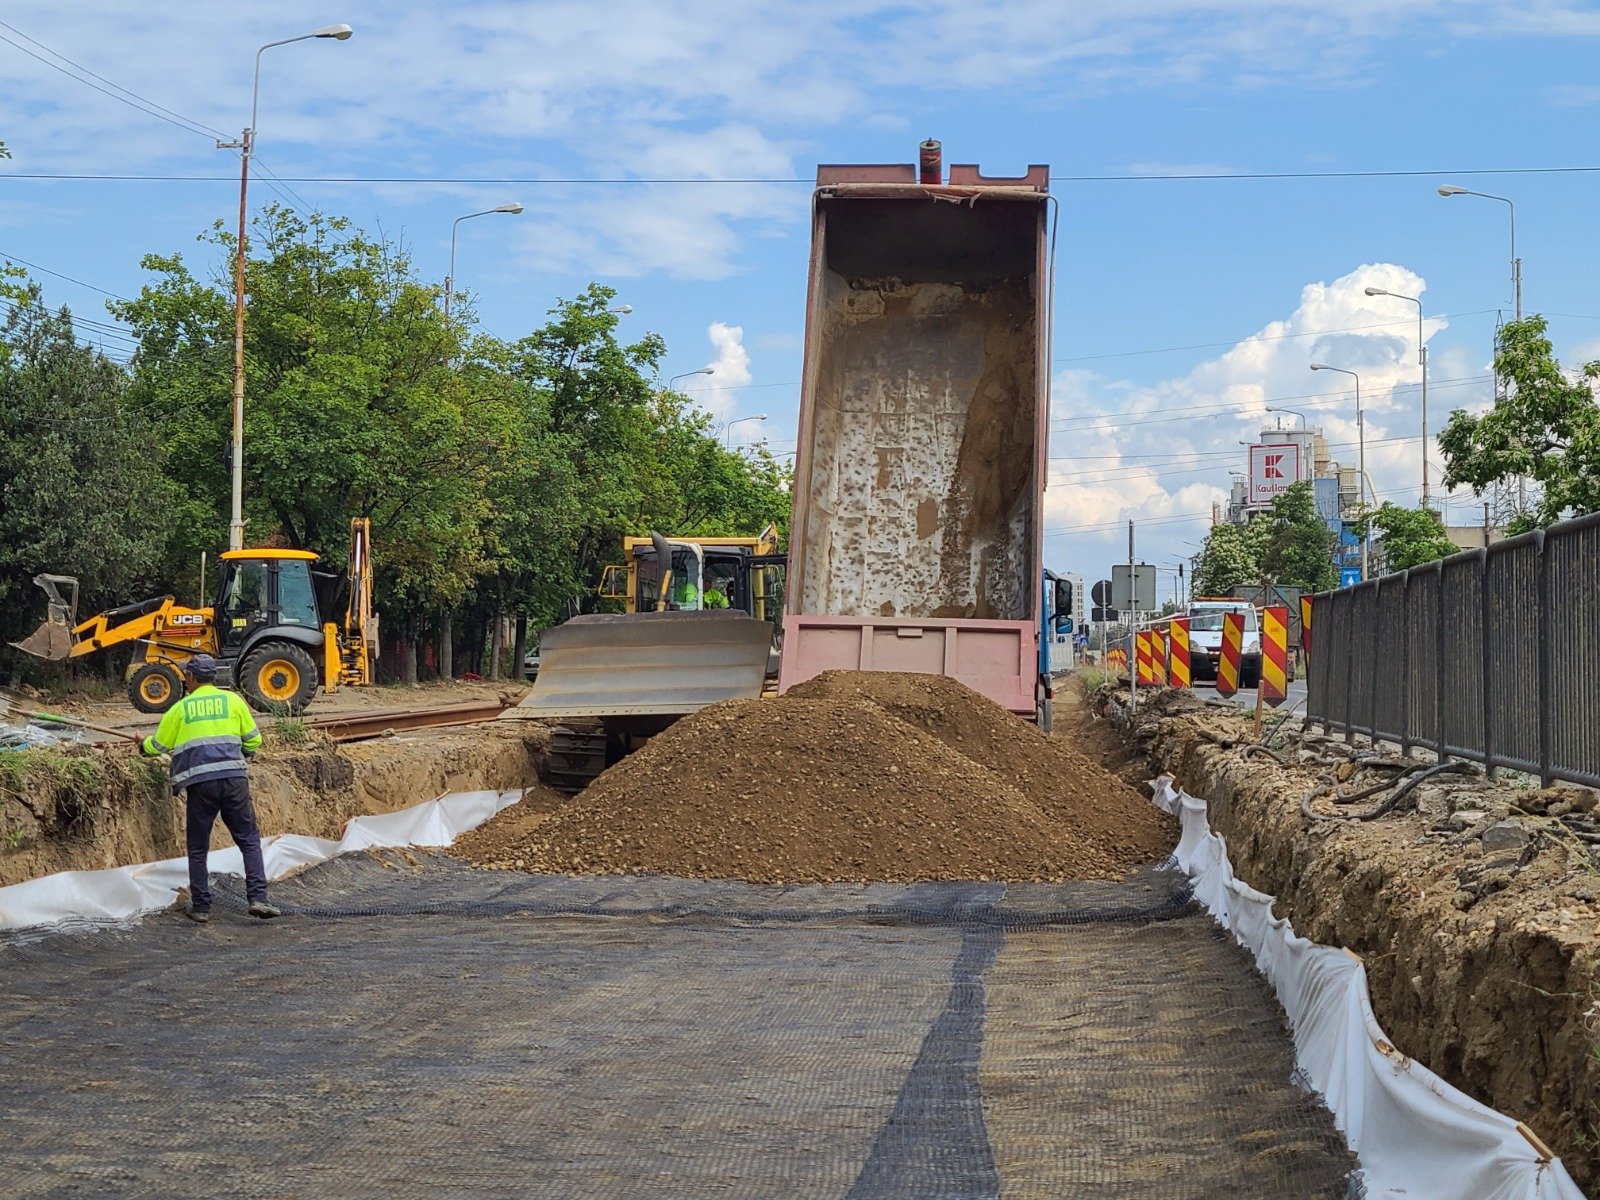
(700, 626)
(266, 629)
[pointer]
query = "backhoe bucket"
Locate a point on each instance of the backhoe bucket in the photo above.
(647, 664)
(53, 639)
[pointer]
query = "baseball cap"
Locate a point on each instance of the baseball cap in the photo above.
(202, 666)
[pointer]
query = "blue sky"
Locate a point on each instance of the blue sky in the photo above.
(1182, 306)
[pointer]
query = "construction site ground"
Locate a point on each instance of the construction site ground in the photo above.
(1475, 903)
(422, 1025)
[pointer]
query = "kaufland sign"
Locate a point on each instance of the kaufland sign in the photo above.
(1273, 469)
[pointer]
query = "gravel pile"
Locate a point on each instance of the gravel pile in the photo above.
(852, 777)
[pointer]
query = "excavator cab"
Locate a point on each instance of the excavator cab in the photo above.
(268, 630)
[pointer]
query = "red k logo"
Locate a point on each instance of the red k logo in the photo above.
(1272, 466)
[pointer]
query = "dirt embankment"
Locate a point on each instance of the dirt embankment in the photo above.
(850, 777)
(1477, 911)
(84, 808)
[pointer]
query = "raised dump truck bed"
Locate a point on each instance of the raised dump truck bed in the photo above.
(915, 544)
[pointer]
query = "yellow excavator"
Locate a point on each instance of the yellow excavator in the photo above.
(700, 625)
(266, 629)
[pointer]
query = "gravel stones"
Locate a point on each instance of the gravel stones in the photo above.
(852, 777)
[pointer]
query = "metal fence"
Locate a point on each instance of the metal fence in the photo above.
(1484, 655)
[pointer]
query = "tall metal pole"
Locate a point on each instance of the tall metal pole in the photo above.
(1366, 484)
(1361, 463)
(236, 517)
(1133, 651)
(247, 144)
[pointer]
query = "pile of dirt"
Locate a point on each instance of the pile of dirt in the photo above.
(857, 778)
(1097, 807)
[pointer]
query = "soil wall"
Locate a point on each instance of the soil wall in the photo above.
(1482, 966)
(89, 808)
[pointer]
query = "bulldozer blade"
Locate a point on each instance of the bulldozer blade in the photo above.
(53, 639)
(647, 664)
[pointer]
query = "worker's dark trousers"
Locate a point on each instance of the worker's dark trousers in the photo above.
(229, 798)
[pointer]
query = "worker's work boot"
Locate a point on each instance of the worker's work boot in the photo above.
(263, 910)
(200, 915)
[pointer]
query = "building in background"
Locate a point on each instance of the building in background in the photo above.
(1283, 457)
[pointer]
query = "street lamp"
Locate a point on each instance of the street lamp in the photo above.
(1361, 466)
(1422, 358)
(686, 374)
(621, 310)
(1278, 408)
(514, 209)
(1450, 189)
(246, 145)
(740, 421)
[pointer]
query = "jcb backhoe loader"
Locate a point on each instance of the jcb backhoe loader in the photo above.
(699, 627)
(266, 629)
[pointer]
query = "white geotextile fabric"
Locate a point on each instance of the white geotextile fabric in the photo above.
(123, 892)
(1416, 1136)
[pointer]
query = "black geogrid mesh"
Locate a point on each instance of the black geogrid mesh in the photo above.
(431, 1030)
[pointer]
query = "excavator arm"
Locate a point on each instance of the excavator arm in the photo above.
(62, 636)
(351, 648)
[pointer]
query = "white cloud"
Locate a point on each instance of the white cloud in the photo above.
(718, 393)
(1161, 453)
(679, 89)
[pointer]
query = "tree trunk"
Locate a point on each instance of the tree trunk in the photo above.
(447, 657)
(519, 646)
(497, 639)
(408, 657)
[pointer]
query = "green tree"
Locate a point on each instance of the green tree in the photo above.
(81, 488)
(1546, 427)
(360, 400)
(1410, 536)
(1299, 548)
(1288, 544)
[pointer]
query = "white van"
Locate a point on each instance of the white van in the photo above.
(1205, 639)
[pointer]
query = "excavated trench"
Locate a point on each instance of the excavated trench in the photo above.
(1476, 912)
(87, 808)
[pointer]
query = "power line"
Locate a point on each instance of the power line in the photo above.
(607, 181)
(1275, 337)
(120, 94)
(59, 275)
(297, 198)
(1199, 412)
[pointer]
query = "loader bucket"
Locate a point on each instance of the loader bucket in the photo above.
(647, 664)
(53, 639)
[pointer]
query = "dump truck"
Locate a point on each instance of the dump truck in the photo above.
(269, 628)
(920, 466)
(700, 625)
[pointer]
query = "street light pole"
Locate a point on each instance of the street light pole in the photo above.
(702, 371)
(1451, 189)
(740, 421)
(1275, 408)
(246, 146)
(1422, 358)
(1361, 464)
(514, 208)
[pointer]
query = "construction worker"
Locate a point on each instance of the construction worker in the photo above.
(210, 733)
(715, 597)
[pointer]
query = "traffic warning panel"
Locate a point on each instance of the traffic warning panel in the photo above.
(1144, 650)
(1117, 657)
(1158, 656)
(1305, 629)
(1232, 645)
(1275, 654)
(1178, 653)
